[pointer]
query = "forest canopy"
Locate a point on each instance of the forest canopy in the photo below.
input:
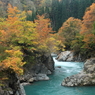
(79, 35)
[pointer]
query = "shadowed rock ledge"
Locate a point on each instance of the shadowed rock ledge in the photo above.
(43, 66)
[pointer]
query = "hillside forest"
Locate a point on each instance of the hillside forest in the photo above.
(30, 29)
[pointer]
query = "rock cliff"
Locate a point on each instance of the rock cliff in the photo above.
(85, 77)
(11, 86)
(42, 66)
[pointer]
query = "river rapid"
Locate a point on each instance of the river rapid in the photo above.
(53, 86)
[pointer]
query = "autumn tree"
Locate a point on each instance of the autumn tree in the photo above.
(43, 30)
(84, 43)
(69, 31)
(20, 39)
(16, 35)
(43, 27)
(88, 29)
(46, 38)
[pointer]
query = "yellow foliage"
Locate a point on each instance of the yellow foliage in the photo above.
(14, 61)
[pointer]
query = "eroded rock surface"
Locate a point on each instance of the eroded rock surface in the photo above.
(43, 66)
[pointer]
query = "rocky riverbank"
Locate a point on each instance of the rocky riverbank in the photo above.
(36, 71)
(85, 77)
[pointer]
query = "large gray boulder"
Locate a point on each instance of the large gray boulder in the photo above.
(85, 77)
(65, 56)
(68, 56)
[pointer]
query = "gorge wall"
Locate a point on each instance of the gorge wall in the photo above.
(42, 66)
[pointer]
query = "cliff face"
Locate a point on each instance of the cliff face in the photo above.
(43, 66)
(10, 86)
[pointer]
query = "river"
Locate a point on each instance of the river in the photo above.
(53, 86)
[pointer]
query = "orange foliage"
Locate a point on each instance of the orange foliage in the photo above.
(29, 12)
(14, 61)
(12, 13)
(43, 28)
(88, 19)
(87, 26)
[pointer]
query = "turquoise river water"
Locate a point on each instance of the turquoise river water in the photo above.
(53, 86)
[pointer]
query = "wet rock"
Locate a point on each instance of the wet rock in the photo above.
(31, 80)
(25, 83)
(42, 77)
(53, 55)
(49, 72)
(58, 66)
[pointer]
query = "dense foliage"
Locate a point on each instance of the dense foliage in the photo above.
(20, 38)
(63, 9)
(57, 10)
(80, 35)
(69, 30)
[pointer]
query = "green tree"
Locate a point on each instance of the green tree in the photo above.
(69, 31)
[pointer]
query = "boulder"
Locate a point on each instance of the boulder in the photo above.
(65, 56)
(58, 66)
(69, 56)
(31, 80)
(85, 77)
(42, 77)
(53, 54)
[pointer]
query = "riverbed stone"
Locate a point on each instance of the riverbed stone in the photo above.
(58, 66)
(31, 80)
(42, 77)
(85, 78)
